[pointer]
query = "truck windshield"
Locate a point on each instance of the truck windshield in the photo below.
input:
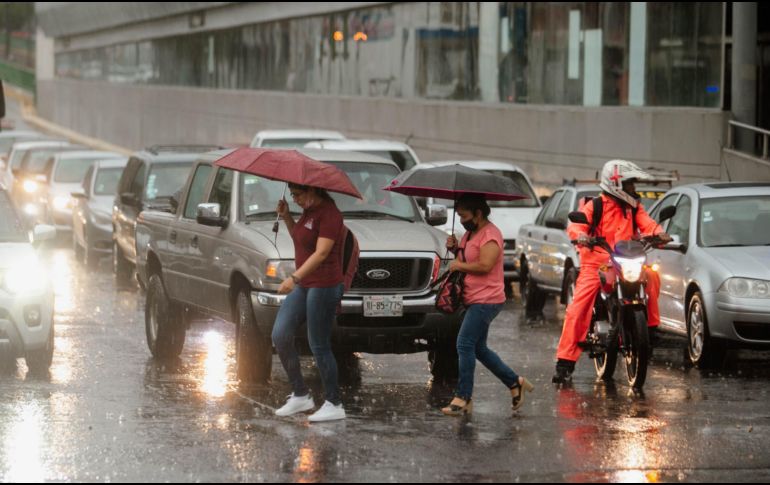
(259, 196)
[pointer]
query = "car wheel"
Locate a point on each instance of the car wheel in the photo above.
(164, 325)
(77, 249)
(39, 361)
(120, 266)
(705, 352)
(570, 280)
(254, 351)
(524, 281)
(90, 257)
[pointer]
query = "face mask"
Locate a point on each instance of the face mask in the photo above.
(470, 226)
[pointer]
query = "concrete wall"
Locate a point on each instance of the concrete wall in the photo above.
(739, 167)
(549, 142)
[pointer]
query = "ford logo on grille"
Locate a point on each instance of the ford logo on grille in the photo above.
(378, 274)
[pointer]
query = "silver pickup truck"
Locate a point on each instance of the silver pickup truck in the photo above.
(218, 255)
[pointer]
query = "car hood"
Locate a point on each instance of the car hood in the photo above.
(372, 235)
(748, 262)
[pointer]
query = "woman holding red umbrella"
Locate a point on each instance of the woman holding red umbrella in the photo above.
(314, 290)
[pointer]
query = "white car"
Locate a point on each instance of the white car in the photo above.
(292, 138)
(399, 153)
(15, 157)
(26, 293)
(508, 216)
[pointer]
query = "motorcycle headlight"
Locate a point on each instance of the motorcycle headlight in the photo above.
(30, 186)
(278, 270)
(746, 288)
(23, 278)
(62, 203)
(631, 268)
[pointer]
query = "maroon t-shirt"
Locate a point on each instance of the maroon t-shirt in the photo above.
(324, 220)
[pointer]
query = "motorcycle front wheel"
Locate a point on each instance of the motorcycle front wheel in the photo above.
(637, 355)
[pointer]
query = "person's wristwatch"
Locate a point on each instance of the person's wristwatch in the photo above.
(295, 279)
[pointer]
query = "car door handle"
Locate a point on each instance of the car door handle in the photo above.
(172, 237)
(194, 242)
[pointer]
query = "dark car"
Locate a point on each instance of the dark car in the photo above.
(149, 182)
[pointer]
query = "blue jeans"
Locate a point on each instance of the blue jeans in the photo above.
(317, 306)
(472, 345)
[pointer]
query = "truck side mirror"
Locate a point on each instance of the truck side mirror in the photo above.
(667, 213)
(210, 215)
(436, 215)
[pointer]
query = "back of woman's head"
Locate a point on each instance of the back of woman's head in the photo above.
(473, 203)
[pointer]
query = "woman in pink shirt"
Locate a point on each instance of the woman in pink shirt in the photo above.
(480, 257)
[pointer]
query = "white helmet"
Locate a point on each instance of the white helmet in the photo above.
(615, 172)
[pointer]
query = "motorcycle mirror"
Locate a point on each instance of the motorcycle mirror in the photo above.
(578, 217)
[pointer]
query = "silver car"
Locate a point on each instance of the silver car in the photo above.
(716, 289)
(92, 210)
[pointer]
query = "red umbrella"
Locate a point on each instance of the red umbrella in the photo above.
(289, 166)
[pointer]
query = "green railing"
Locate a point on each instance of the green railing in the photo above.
(17, 76)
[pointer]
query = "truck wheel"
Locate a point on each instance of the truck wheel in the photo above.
(39, 361)
(120, 266)
(508, 289)
(444, 362)
(163, 320)
(535, 301)
(254, 351)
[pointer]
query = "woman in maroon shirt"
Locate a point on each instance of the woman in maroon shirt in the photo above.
(314, 291)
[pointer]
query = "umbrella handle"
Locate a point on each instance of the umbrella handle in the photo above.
(277, 224)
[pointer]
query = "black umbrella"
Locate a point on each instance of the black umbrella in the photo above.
(453, 181)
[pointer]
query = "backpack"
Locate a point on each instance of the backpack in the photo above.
(597, 217)
(350, 255)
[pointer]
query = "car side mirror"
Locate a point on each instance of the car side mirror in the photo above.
(667, 213)
(556, 224)
(210, 215)
(544, 199)
(436, 215)
(42, 233)
(578, 217)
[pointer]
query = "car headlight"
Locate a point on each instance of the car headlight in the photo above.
(278, 270)
(30, 186)
(746, 288)
(631, 268)
(24, 278)
(62, 203)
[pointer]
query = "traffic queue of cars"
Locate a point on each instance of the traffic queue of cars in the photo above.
(200, 240)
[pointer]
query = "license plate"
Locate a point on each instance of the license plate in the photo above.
(383, 306)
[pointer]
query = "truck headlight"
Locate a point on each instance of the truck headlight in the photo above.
(278, 270)
(631, 268)
(746, 288)
(23, 278)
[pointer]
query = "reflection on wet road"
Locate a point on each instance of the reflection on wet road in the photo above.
(108, 412)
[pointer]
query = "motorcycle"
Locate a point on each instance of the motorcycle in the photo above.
(619, 320)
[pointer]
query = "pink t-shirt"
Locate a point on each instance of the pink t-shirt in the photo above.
(488, 288)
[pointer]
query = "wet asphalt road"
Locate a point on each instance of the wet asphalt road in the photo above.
(108, 412)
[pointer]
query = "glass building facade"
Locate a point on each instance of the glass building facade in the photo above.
(552, 53)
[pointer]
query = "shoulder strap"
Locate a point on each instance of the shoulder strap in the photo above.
(634, 212)
(597, 216)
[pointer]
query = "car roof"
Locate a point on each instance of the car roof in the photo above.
(21, 133)
(96, 155)
(477, 164)
(26, 145)
(117, 162)
(354, 145)
(316, 154)
(301, 133)
(714, 190)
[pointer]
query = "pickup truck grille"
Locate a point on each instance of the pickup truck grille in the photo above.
(403, 274)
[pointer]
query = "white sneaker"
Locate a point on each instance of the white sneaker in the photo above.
(328, 412)
(296, 405)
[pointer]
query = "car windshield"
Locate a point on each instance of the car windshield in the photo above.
(403, 159)
(36, 161)
(259, 196)
(734, 221)
(107, 181)
(520, 180)
(72, 170)
(16, 157)
(11, 228)
(166, 179)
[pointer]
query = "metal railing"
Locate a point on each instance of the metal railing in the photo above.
(757, 131)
